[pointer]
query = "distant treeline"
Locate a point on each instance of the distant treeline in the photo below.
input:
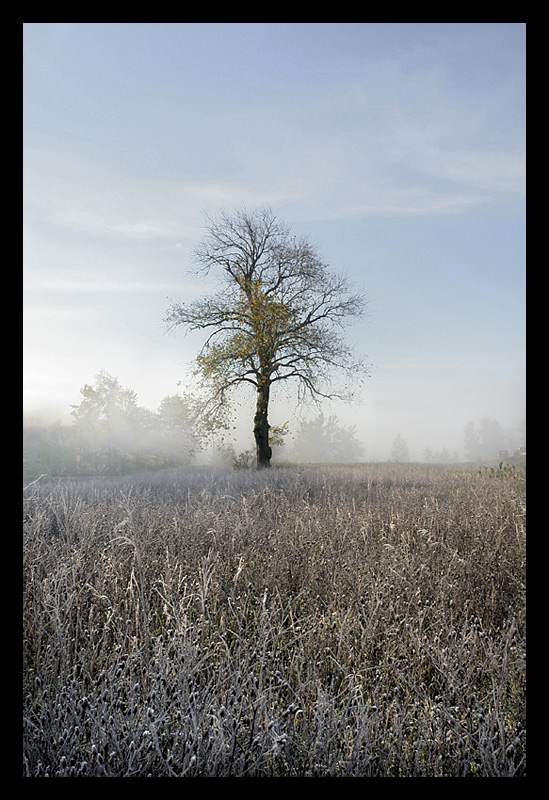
(111, 434)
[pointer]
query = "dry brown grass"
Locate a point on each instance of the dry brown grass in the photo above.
(353, 621)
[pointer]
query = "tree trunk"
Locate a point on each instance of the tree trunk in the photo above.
(261, 426)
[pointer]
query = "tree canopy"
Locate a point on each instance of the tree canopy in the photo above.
(112, 434)
(279, 315)
(324, 440)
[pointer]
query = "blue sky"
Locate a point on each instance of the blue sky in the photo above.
(397, 148)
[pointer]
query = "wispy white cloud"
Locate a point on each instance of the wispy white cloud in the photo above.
(349, 156)
(393, 142)
(105, 206)
(411, 157)
(95, 206)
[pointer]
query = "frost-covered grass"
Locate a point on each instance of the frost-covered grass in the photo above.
(353, 621)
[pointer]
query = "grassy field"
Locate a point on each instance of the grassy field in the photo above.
(353, 621)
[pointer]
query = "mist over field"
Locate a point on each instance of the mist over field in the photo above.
(443, 442)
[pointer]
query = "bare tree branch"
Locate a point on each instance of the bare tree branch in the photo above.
(279, 316)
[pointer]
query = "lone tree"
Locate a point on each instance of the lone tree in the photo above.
(279, 315)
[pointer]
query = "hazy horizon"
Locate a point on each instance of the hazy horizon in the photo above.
(398, 149)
